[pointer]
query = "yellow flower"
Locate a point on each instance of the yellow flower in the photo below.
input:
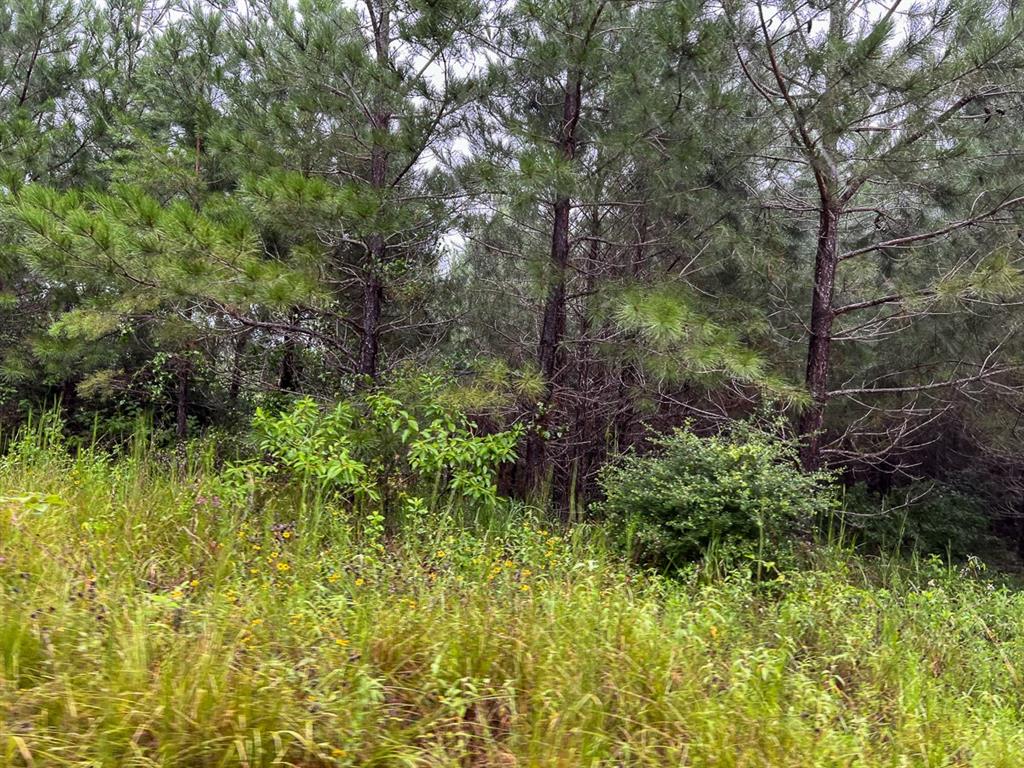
(713, 631)
(194, 583)
(333, 577)
(283, 567)
(255, 622)
(287, 534)
(257, 547)
(441, 554)
(177, 594)
(340, 641)
(524, 587)
(527, 573)
(274, 555)
(336, 752)
(360, 581)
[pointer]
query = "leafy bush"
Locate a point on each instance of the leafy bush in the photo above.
(739, 494)
(378, 451)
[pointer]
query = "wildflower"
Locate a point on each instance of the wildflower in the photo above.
(524, 587)
(333, 578)
(527, 573)
(283, 567)
(336, 752)
(257, 547)
(360, 581)
(255, 622)
(341, 642)
(177, 594)
(713, 631)
(274, 555)
(194, 583)
(510, 564)
(287, 534)
(441, 554)
(253, 571)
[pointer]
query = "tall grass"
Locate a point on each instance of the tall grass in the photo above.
(146, 620)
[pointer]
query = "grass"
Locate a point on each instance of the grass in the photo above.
(149, 618)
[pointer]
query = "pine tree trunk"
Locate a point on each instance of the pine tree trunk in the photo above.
(373, 299)
(373, 288)
(826, 260)
(289, 377)
(235, 387)
(549, 348)
(181, 426)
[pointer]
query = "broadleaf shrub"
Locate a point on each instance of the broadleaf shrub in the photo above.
(383, 452)
(740, 494)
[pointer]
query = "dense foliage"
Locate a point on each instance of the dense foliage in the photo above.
(597, 221)
(740, 495)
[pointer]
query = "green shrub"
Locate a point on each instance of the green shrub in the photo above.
(381, 453)
(739, 495)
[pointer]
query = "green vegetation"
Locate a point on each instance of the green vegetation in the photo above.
(511, 383)
(176, 612)
(733, 496)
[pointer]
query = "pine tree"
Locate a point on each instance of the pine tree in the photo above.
(882, 107)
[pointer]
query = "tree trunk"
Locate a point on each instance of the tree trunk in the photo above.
(373, 299)
(181, 428)
(235, 387)
(289, 377)
(826, 260)
(553, 325)
(380, 122)
(549, 348)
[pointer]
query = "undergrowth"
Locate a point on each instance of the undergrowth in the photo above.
(151, 615)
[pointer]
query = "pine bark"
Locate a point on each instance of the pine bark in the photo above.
(819, 349)
(550, 356)
(373, 287)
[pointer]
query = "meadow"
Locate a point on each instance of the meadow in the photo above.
(152, 615)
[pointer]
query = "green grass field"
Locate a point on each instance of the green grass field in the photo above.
(145, 620)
